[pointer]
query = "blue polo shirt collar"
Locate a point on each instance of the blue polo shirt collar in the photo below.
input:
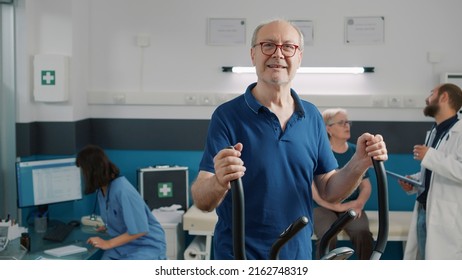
(255, 106)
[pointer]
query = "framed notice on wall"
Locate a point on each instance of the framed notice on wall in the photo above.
(306, 27)
(364, 30)
(226, 31)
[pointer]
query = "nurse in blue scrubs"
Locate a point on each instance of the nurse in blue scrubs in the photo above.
(134, 231)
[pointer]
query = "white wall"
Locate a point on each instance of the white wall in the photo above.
(122, 80)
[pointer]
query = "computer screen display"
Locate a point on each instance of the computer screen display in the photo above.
(42, 182)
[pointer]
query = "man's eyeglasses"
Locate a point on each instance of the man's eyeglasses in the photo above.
(268, 48)
(342, 123)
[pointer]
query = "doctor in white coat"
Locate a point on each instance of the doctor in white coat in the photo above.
(436, 227)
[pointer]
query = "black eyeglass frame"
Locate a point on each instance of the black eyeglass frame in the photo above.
(296, 47)
(342, 123)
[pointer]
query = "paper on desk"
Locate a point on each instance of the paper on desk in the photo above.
(66, 250)
(171, 208)
(170, 214)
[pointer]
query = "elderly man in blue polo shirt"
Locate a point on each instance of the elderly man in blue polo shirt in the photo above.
(281, 146)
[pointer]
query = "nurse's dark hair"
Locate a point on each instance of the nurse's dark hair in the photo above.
(97, 170)
(454, 93)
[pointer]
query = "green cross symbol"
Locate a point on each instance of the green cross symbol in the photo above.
(48, 78)
(165, 190)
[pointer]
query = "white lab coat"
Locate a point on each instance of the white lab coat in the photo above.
(444, 201)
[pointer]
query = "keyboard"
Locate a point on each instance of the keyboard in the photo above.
(59, 232)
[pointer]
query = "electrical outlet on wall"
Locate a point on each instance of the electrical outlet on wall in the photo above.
(190, 99)
(378, 101)
(207, 100)
(394, 101)
(410, 102)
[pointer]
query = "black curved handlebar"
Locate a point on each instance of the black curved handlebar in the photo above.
(382, 193)
(239, 220)
(237, 191)
(382, 237)
(238, 227)
(334, 229)
(290, 232)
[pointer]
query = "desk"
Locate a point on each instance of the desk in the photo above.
(197, 222)
(77, 237)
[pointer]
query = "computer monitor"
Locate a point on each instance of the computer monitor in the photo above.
(42, 182)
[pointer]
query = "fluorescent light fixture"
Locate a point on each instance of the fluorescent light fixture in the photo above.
(307, 70)
(238, 69)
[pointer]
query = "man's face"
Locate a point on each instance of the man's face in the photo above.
(433, 106)
(277, 68)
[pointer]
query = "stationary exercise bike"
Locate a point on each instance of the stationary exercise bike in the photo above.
(382, 237)
(238, 228)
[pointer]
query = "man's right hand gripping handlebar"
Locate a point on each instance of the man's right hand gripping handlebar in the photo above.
(228, 165)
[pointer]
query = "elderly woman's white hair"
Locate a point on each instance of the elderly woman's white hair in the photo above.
(329, 114)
